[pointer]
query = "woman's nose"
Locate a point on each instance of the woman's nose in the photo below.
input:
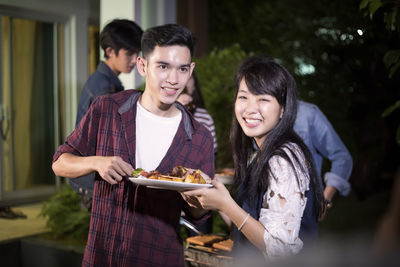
(251, 105)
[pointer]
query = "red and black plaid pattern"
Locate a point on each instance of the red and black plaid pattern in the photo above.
(135, 225)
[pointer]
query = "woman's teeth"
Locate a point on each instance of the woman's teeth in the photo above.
(252, 120)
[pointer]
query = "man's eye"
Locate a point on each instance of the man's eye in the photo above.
(184, 69)
(163, 67)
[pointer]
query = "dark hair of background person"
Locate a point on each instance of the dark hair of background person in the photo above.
(198, 100)
(121, 34)
(264, 76)
(167, 35)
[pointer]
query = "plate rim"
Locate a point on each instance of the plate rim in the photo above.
(172, 185)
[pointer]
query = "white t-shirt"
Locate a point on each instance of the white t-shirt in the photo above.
(154, 135)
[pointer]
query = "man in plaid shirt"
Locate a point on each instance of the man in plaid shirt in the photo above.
(134, 225)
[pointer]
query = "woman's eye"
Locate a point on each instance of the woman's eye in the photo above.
(241, 97)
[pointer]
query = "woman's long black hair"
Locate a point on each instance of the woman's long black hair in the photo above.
(265, 76)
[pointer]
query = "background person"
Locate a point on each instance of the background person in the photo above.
(120, 41)
(134, 225)
(323, 142)
(192, 98)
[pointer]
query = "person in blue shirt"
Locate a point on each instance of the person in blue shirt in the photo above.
(120, 40)
(323, 142)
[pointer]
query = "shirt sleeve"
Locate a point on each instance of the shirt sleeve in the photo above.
(282, 209)
(82, 140)
(328, 143)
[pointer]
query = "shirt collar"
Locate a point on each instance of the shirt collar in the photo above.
(105, 69)
(187, 120)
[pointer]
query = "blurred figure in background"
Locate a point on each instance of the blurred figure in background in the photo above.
(323, 142)
(192, 98)
(120, 41)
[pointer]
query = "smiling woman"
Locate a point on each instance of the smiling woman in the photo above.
(256, 114)
(278, 197)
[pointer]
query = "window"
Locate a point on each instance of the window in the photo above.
(30, 97)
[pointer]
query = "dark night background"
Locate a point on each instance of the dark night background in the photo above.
(335, 67)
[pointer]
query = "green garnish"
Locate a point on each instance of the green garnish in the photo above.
(137, 172)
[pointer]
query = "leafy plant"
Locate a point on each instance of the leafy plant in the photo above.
(389, 111)
(391, 57)
(216, 72)
(65, 217)
(391, 19)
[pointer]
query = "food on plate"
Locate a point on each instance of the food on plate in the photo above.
(204, 240)
(178, 174)
(194, 178)
(179, 171)
(224, 245)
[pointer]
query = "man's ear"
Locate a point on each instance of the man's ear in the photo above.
(141, 64)
(109, 51)
(192, 65)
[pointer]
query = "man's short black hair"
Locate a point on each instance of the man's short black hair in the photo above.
(121, 33)
(167, 35)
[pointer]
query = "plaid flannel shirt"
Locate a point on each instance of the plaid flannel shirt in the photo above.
(134, 225)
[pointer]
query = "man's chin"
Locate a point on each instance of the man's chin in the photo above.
(165, 105)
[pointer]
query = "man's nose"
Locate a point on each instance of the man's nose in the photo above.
(172, 77)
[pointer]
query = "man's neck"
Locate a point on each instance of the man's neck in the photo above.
(157, 108)
(111, 66)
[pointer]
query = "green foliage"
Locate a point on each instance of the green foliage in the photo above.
(371, 5)
(391, 57)
(65, 216)
(391, 19)
(391, 109)
(216, 72)
(392, 61)
(391, 11)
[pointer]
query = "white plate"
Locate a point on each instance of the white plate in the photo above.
(223, 178)
(170, 185)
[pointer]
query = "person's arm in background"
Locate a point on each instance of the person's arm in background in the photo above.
(329, 145)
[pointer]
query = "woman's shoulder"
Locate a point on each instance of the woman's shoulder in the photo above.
(292, 156)
(291, 149)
